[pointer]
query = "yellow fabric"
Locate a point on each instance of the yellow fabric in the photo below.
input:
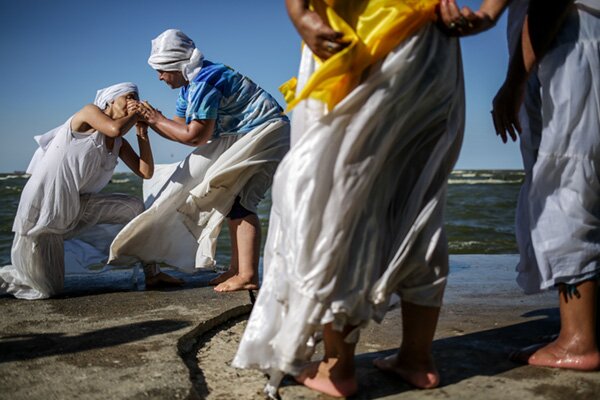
(373, 28)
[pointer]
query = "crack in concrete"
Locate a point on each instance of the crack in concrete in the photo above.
(190, 343)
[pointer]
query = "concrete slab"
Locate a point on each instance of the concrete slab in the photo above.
(104, 339)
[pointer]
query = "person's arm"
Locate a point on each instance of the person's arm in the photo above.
(142, 165)
(541, 26)
(464, 21)
(94, 117)
(195, 133)
(316, 33)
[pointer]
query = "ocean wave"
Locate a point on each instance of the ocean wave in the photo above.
(125, 180)
(7, 177)
(484, 181)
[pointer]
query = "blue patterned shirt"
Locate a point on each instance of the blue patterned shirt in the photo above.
(236, 103)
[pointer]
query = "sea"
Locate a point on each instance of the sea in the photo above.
(480, 211)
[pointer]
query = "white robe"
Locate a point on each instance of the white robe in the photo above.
(558, 213)
(187, 202)
(58, 202)
(358, 204)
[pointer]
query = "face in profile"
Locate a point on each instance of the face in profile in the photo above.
(119, 106)
(174, 79)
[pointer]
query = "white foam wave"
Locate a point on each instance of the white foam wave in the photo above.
(7, 177)
(125, 180)
(484, 181)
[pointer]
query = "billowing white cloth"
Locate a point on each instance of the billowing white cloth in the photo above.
(187, 202)
(109, 94)
(358, 205)
(558, 217)
(39, 262)
(173, 50)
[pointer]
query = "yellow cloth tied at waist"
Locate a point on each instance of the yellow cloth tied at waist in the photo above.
(373, 28)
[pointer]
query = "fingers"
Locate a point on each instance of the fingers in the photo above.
(506, 123)
(498, 125)
(462, 21)
(453, 10)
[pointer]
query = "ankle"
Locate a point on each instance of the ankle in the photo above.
(338, 367)
(576, 343)
(247, 275)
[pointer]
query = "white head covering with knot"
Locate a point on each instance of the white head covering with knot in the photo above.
(109, 94)
(173, 50)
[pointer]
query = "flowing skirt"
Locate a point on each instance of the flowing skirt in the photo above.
(187, 202)
(358, 204)
(558, 216)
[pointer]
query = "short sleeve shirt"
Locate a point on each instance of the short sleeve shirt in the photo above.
(236, 103)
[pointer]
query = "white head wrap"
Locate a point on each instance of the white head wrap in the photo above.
(106, 95)
(173, 50)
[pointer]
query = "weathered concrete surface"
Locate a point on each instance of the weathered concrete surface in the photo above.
(103, 339)
(484, 318)
(106, 340)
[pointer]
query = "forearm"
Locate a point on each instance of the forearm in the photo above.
(494, 8)
(121, 126)
(146, 162)
(178, 132)
(295, 9)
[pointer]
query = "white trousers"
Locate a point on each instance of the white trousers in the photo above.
(38, 262)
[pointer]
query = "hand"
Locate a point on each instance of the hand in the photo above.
(463, 22)
(318, 36)
(133, 106)
(149, 114)
(505, 112)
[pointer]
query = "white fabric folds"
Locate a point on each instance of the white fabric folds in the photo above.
(187, 202)
(109, 94)
(358, 204)
(173, 50)
(558, 215)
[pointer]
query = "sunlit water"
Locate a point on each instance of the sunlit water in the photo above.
(479, 215)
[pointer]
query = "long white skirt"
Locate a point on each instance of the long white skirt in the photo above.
(558, 217)
(187, 202)
(39, 262)
(358, 205)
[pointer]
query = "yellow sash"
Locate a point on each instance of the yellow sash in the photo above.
(373, 28)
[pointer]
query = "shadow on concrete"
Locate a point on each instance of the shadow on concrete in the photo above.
(483, 353)
(32, 346)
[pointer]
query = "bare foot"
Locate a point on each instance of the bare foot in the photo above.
(222, 277)
(162, 280)
(235, 283)
(556, 355)
(423, 375)
(323, 377)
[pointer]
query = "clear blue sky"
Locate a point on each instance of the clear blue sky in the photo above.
(57, 53)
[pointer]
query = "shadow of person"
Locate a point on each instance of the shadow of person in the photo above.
(32, 346)
(483, 353)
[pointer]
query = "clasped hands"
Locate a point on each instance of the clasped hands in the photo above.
(147, 115)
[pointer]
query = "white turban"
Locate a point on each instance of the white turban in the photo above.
(173, 50)
(106, 95)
